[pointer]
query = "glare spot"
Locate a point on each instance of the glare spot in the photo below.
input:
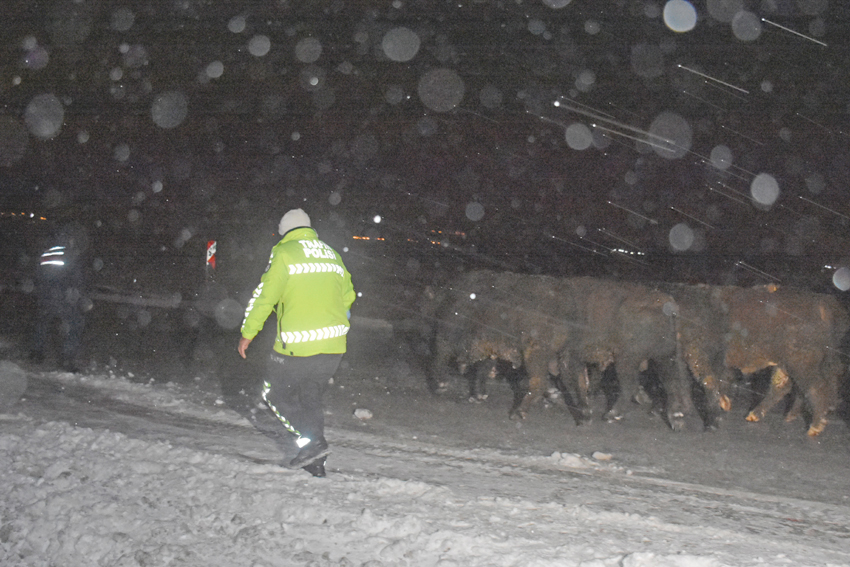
(122, 19)
(721, 157)
(680, 16)
(767, 86)
(169, 109)
(592, 27)
(335, 198)
(82, 136)
(215, 70)
(236, 24)
(312, 77)
(472, 296)
(441, 89)
(121, 152)
(585, 80)
(536, 27)
(764, 189)
(228, 313)
(400, 44)
(600, 140)
(44, 116)
(815, 183)
(841, 279)
(394, 94)
(475, 211)
(746, 26)
(134, 56)
(134, 216)
(557, 4)
(785, 134)
(681, 237)
(578, 136)
(259, 45)
(308, 50)
(36, 58)
(116, 73)
(376, 219)
(724, 10)
(581, 231)
(156, 186)
(669, 308)
(295, 136)
(671, 135)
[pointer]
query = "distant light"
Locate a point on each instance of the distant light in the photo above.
(376, 219)
(471, 296)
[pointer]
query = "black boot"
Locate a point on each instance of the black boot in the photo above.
(310, 453)
(316, 468)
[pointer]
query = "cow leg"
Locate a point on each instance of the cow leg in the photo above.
(438, 382)
(716, 401)
(780, 386)
(796, 409)
(821, 398)
(576, 380)
(628, 376)
(537, 367)
(484, 371)
(679, 404)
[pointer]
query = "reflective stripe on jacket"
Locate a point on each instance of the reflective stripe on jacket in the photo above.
(310, 290)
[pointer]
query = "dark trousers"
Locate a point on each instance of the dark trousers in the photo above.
(71, 324)
(294, 388)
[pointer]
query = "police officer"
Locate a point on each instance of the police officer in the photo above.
(60, 295)
(310, 290)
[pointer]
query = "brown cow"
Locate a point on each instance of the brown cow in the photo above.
(796, 335)
(556, 323)
(627, 325)
(702, 326)
(471, 326)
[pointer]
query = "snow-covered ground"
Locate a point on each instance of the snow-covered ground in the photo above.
(110, 468)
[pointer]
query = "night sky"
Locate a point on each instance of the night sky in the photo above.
(554, 131)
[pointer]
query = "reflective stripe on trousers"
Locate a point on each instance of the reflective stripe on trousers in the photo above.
(301, 441)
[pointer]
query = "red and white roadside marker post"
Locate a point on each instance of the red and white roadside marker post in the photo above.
(210, 264)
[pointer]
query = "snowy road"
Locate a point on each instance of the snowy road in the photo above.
(485, 506)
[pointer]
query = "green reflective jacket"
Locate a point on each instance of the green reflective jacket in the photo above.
(310, 290)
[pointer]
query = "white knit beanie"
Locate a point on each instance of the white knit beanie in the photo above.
(292, 219)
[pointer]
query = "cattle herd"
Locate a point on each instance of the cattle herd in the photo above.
(694, 339)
